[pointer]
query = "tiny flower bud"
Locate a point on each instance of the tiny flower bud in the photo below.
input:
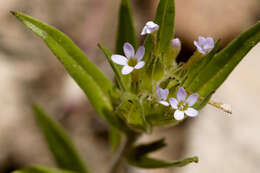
(149, 28)
(176, 44)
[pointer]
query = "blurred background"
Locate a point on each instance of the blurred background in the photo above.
(30, 73)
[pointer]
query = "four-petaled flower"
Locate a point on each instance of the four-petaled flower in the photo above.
(183, 105)
(149, 28)
(204, 45)
(131, 60)
(162, 95)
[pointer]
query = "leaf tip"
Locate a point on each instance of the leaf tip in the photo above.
(195, 159)
(13, 13)
(100, 45)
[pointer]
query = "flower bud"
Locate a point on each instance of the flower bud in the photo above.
(176, 44)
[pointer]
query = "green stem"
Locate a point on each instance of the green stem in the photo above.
(118, 165)
(197, 56)
(135, 79)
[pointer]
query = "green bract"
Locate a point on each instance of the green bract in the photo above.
(131, 105)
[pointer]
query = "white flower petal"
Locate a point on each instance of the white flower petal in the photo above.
(165, 103)
(164, 94)
(178, 115)
(174, 103)
(129, 50)
(119, 59)
(127, 69)
(144, 31)
(181, 94)
(159, 93)
(191, 112)
(139, 65)
(204, 45)
(201, 39)
(140, 53)
(199, 48)
(192, 99)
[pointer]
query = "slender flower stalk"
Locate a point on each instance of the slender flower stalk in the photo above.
(222, 106)
(204, 45)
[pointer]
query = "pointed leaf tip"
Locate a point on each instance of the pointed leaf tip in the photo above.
(12, 12)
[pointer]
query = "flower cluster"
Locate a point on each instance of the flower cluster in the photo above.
(133, 61)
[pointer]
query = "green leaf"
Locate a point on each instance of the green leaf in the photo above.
(126, 29)
(86, 74)
(62, 47)
(123, 80)
(196, 68)
(115, 137)
(59, 143)
(137, 156)
(144, 149)
(150, 163)
(223, 63)
(201, 103)
(165, 19)
(41, 169)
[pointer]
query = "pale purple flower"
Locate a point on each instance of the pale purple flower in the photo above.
(204, 44)
(149, 28)
(176, 44)
(162, 95)
(183, 105)
(131, 60)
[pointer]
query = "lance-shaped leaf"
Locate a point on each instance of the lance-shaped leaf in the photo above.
(165, 19)
(85, 73)
(197, 67)
(122, 80)
(64, 48)
(126, 29)
(203, 102)
(41, 169)
(59, 143)
(223, 63)
(144, 149)
(137, 156)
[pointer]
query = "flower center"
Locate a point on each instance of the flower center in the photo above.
(182, 106)
(132, 61)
